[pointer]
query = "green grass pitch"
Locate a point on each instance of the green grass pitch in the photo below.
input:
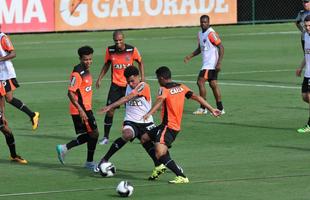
(252, 152)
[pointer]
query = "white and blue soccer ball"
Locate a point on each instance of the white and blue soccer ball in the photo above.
(124, 189)
(107, 169)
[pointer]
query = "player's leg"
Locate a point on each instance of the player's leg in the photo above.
(217, 95)
(10, 86)
(115, 93)
(92, 130)
(82, 137)
(201, 80)
(305, 93)
(10, 141)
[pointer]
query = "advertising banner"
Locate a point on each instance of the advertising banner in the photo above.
(127, 14)
(27, 15)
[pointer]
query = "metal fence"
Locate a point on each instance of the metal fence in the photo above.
(265, 11)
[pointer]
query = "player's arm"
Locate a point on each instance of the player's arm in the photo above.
(155, 107)
(199, 99)
(141, 69)
(119, 102)
(301, 67)
(193, 54)
(82, 113)
(11, 55)
(103, 71)
(221, 55)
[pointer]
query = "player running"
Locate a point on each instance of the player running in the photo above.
(171, 98)
(138, 102)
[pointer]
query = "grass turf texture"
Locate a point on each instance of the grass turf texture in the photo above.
(252, 152)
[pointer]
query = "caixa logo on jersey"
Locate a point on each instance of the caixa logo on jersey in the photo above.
(176, 90)
(121, 66)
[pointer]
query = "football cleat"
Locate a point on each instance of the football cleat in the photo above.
(223, 112)
(200, 111)
(18, 159)
(179, 179)
(104, 141)
(35, 120)
(306, 129)
(61, 152)
(157, 171)
(91, 166)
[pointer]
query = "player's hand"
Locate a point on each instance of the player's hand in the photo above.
(218, 67)
(98, 83)
(216, 112)
(104, 109)
(298, 71)
(83, 115)
(145, 117)
(187, 59)
(5, 122)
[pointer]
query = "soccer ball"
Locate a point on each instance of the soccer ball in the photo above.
(124, 189)
(107, 169)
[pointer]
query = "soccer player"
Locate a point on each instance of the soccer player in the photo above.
(8, 78)
(212, 51)
(119, 56)
(301, 18)
(9, 137)
(138, 103)
(171, 97)
(305, 89)
(80, 94)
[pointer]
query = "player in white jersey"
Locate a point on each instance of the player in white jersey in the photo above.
(301, 18)
(8, 78)
(305, 89)
(138, 103)
(212, 51)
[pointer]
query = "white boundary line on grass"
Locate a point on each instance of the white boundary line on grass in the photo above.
(158, 184)
(221, 83)
(152, 38)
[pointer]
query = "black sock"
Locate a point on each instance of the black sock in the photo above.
(219, 105)
(309, 121)
(108, 121)
(117, 145)
(81, 139)
(91, 147)
(21, 106)
(10, 141)
(150, 149)
(201, 106)
(168, 162)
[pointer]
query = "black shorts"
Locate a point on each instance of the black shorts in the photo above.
(115, 93)
(305, 85)
(163, 135)
(1, 121)
(208, 74)
(139, 128)
(81, 127)
(8, 85)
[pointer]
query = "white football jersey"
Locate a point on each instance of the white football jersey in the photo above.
(6, 67)
(307, 55)
(209, 51)
(137, 107)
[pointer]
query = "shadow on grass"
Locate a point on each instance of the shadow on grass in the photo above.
(289, 147)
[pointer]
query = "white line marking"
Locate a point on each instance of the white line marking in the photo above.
(159, 184)
(151, 78)
(151, 38)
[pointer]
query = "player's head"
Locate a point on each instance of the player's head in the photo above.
(132, 76)
(118, 38)
(204, 22)
(307, 24)
(86, 55)
(306, 4)
(163, 75)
